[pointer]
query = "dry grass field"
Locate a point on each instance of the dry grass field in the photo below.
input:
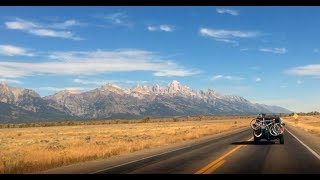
(33, 149)
(307, 123)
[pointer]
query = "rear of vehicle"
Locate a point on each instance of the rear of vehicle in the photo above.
(268, 127)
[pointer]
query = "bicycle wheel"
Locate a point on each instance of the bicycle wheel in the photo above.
(275, 129)
(279, 128)
(257, 132)
(255, 124)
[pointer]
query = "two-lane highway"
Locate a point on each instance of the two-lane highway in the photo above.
(235, 153)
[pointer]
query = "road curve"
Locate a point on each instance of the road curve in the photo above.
(232, 154)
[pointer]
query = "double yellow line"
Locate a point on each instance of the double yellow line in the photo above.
(211, 167)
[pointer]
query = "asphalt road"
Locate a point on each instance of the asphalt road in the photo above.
(232, 154)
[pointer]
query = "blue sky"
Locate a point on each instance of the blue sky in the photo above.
(266, 54)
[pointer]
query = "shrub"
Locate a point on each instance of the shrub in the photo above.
(200, 117)
(87, 138)
(146, 119)
(55, 146)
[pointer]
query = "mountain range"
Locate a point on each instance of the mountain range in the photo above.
(111, 101)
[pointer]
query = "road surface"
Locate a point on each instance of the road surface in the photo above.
(233, 154)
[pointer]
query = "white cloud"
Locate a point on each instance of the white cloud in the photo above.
(233, 78)
(166, 28)
(163, 27)
(217, 77)
(227, 11)
(96, 82)
(227, 36)
(284, 85)
(66, 24)
(274, 50)
(10, 72)
(40, 30)
(134, 82)
(228, 41)
(256, 68)
(102, 82)
(258, 79)
(227, 77)
(96, 62)
(152, 28)
(119, 19)
(53, 33)
(299, 82)
(176, 72)
(308, 70)
(10, 50)
(244, 49)
(20, 24)
(221, 33)
(10, 81)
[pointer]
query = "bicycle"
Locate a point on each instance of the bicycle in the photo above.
(266, 127)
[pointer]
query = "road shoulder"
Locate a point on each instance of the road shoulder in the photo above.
(306, 137)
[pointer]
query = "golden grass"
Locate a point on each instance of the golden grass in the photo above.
(33, 149)
(308, 123)
(118, 121)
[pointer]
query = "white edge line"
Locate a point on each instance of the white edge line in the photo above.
(138, 160)
(312, 151)
(157, 154)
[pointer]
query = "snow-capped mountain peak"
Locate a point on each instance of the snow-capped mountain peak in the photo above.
(175, 87)
(212, 93)
(3, 83)
(73, 91)
(110, 85)
(142, 89)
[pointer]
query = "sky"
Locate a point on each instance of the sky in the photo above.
(265, 54)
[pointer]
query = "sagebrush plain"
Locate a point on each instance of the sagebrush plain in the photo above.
(34, 149)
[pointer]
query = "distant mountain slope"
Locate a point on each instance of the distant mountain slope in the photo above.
(13, 114)
(20, 105)
(142, 100)
(274, 109)
(111, 101)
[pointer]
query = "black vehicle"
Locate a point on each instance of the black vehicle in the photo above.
(268, 127)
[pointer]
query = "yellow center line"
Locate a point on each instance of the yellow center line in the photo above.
(218, 162)
(214, 167)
